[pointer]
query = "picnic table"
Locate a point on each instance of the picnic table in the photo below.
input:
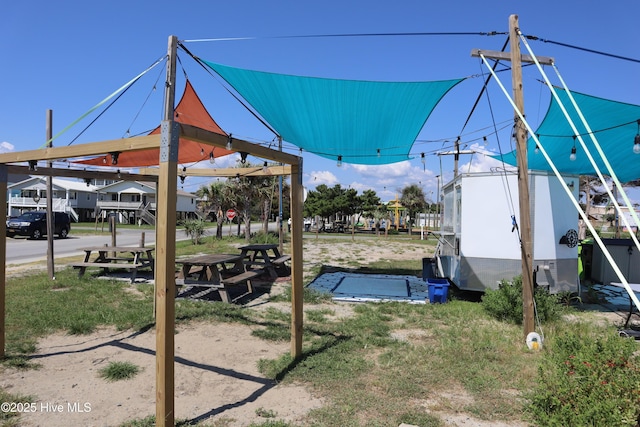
(116, 257)
(218, 271)
(265, 256)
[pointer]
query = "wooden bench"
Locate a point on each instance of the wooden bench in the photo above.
(279, 263)
(82, 266)
(116, 257)
(225, 283)
(281, 259)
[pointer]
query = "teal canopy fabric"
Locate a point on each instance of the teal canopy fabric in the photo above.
(362, 122)
(614, 125)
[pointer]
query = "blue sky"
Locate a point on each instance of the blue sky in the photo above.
(68, 56)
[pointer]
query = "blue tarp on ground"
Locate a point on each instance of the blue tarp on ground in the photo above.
(372, 287)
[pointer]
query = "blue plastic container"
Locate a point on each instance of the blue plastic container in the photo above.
(438, 290)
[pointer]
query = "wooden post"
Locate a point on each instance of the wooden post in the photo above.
(50, 215)
(296, 260)
(3, 257)
(112, 228)
(280, 204)
(165, 281)
(523, 178)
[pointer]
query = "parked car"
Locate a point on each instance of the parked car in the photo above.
(34, 225)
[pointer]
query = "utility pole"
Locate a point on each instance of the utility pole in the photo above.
(526, 246)
(456, 157)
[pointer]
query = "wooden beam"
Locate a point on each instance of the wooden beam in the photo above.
(507, 56)
(83, 174)
(452, 153)
(226, 172)
(211, 138)
(82, 150)
(297, 287)
(165, 281)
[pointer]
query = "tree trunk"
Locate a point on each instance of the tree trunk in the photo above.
(265, 213)
(220, 223)
(246, 215)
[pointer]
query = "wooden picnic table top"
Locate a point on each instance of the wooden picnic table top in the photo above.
(117, 249)
(209, 259)
(259, 247)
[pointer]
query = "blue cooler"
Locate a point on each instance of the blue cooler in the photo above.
(438, 290)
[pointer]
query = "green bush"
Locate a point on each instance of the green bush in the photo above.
(585, 381)
(194, 228)
(505, 303)
(262, 238)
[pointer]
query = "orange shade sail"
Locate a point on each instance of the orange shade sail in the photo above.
(189, 111)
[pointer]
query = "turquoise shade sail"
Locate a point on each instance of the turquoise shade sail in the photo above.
(362, 122)
(613, 123)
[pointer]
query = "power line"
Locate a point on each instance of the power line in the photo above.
(597, 52)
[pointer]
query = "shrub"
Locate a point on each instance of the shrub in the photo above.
(194, 228)
(587, 381)
(263, 238)
(505, 303)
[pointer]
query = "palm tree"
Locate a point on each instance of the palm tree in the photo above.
(213, 195)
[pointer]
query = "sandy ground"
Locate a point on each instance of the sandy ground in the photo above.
(216, 374)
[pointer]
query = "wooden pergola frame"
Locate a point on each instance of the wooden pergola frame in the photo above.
(166, 176)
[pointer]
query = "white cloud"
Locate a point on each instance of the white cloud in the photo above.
(6, 147)
(360, 187)
(321, 177)
(389, 170)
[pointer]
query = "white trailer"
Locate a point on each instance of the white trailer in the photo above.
(479, 243)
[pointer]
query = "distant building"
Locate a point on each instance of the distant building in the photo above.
(135, 201)
(75, 197)
(131, 202)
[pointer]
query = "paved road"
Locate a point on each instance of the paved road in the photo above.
(23, 250)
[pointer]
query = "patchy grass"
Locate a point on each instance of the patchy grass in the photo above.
(385, 364)
(118, 371)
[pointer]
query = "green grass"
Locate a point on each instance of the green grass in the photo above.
(11, 417)
(117, 371)
(384, 365)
